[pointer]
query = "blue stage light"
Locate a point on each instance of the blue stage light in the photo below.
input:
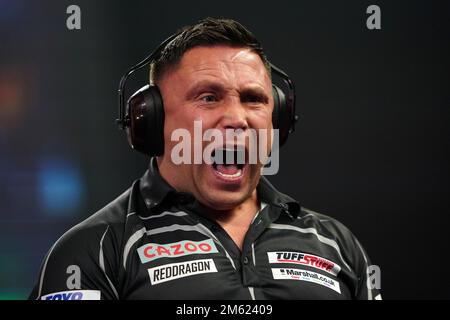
(61, 187)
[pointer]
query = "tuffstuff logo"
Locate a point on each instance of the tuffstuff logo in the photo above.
(304, 259)
(73, 295)
(153, 251)
(174, 271)
(305, 275)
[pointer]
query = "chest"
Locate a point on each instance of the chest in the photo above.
(193, 264)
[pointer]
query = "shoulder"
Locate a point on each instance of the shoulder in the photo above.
(333, 232)
(328, 227)
(112, 217)
(88, 253)
(87, 235)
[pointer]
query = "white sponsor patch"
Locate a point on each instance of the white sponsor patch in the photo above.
(73, 295)
(153, 251)
(174, 271)
(305, 275)
(305, 259)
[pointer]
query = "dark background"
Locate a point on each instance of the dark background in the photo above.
(371, 148)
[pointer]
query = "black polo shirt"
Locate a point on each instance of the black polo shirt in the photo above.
(153, 243)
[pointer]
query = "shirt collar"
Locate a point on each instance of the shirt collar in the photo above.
(155, 190)
(269, 194)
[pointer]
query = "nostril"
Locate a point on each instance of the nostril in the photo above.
(236, 127)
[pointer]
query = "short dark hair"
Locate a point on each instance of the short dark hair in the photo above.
(207, 32)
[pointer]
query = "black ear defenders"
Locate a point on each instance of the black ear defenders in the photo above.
(143, 115)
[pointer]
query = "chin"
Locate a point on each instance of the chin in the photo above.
(224, 193)
(222, 200)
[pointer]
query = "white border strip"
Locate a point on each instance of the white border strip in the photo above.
(102, 264)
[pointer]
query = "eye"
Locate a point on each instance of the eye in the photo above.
(253, 98)
(208, 98)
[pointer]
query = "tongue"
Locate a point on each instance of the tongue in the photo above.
(227, 169)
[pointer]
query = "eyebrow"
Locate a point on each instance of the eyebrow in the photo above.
(207, 85)
(202, 86)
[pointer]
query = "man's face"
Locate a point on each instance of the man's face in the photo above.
(224, 88)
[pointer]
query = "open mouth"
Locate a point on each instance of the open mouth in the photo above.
(229, 162)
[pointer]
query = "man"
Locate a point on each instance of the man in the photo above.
(208, 230)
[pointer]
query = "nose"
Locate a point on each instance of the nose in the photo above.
(234, 116)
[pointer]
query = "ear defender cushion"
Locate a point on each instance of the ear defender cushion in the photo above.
(146, 113)
(281, 119)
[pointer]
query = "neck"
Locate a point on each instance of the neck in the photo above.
(243, 212)
(236, 221)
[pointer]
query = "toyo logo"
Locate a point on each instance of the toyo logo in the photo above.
(73, 295)
(153, 251)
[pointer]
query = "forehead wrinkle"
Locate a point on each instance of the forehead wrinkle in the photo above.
(229, 74)
(244, 54)
(237, 68)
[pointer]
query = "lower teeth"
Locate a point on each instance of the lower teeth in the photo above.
(235, 175)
